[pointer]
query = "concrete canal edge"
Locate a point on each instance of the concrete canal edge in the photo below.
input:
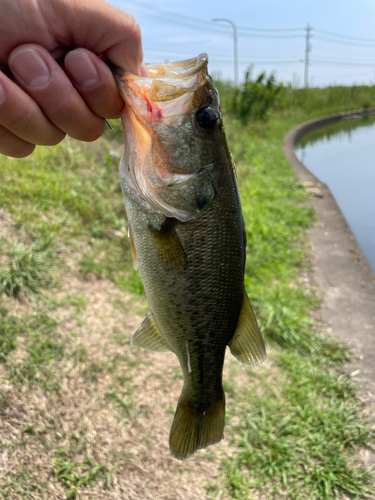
(344, 278)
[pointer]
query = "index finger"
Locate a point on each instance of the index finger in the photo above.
(102, 29)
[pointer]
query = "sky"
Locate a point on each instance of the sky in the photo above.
(271, 35)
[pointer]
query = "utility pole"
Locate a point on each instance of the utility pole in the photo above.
(307, 54)
(235, 48)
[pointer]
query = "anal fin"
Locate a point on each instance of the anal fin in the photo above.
(149, 337)
(247, 344)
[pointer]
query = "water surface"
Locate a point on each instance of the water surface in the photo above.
(343, 156)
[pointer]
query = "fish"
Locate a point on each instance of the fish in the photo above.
(187, 238)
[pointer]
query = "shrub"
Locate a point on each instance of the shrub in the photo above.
(256, 96)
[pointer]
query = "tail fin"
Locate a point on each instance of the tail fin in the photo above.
(193, 429)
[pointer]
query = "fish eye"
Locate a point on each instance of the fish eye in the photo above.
(206, 118)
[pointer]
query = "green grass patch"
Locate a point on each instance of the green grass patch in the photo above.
(69, 195)
(76, 475)
(124, 403)
(22, 484)
(297, 439)
(64, 190)
(9, 330)
(44, 347)
(27, 267)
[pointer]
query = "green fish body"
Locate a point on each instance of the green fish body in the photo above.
(188, 239)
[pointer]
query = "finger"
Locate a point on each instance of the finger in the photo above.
(116, 34)
(42, 78)
(11, 145)
(95, 83)
(144, 71)
(20, 114)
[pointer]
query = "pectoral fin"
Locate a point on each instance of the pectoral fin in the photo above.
(247, 344)
(132, 249)
(168, 246)
(149, 337)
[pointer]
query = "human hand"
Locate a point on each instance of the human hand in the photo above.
(41, 99)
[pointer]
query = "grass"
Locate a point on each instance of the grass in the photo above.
(22, 484)
(27, 268)
(42, 346)
(75, 476)
(295, 425)
(66, 194)
(300, 441)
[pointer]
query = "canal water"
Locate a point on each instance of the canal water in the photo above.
(342, 155)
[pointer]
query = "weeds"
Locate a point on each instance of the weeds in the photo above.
(9, 330)
(256, 97)
(44, 348)
(74, 475)
(22, 484)
(125, 404)
(27, 268)
(300, 440)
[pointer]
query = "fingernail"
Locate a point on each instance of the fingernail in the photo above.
(28, 66)
(2, 94)
(81, 69)
(144, 71)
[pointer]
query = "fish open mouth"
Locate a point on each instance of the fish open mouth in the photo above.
(178, 69)
(166, 81)
(163, 142)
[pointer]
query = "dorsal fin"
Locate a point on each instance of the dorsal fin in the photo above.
(247, 344)
(149, 337)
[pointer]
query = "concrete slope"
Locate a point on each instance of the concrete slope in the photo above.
(345, 279)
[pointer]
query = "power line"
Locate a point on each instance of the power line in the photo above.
(342, 63)
(270, 29)
(193, 22)
(346, 62)
(181, 23)
(250, 35)
(209, 28)
(345, 36)
(149, 11)
(198, 24)
(343, 42)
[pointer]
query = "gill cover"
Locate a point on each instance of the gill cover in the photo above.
(171, 126)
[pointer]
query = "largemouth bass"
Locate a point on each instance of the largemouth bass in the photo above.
(187, 236)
